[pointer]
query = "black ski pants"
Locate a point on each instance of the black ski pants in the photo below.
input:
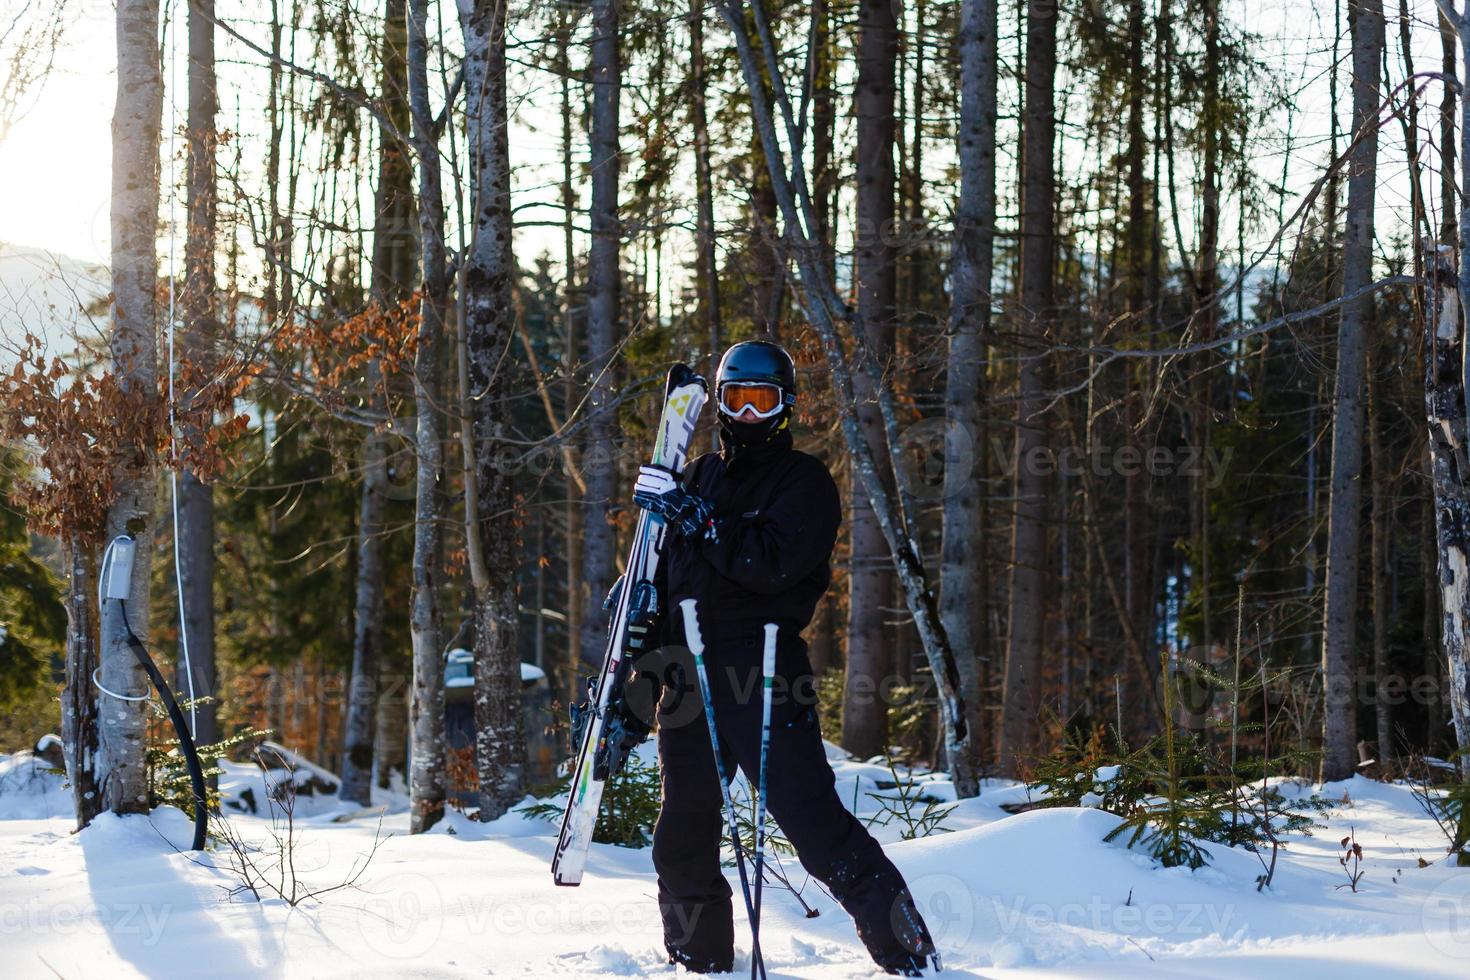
(694, 896)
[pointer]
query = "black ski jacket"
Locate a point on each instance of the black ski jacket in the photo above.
(778, 511)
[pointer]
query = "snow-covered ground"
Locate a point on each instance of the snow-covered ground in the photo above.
(1035, 894)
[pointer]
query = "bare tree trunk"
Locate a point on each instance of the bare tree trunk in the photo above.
(1206, 306)
(362, 688)
(1381, 510)
(826, 311)
(489, 325)
(824, 125)
(1448, 187)
(135, 138)
(79, 699)
(707, 269)
(1444, 404)
(1021, 708)
(1137, 522)
(599, 469)
(390, 727)
(392, 265)
(962, 605)
(199, 341)
(1339, 729)
(574, 505)
(768, 268)
(426, 772)
(870, 576)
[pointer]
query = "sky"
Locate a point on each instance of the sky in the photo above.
(54, 163)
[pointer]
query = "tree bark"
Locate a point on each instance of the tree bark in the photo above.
(1137, 522)
(390, 726)
(1206, 309)
(707, 270)
(426, 766)
(870, 575)
(1339, 731)
(80, 699)
(599, 469)
(1444, 404)
(200, 343)
(962, 557)
(500, 743)
(824, 127)
(1021, 708)
(1380, 531)
(392, 206)
(826, 312)
(571, 356)
(136, 124)
(1448, 187)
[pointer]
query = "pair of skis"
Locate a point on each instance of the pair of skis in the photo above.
(768, 670)
(603, 722)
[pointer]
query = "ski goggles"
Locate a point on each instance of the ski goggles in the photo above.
(762, 398)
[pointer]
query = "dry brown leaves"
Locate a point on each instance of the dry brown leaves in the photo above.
(85, 429)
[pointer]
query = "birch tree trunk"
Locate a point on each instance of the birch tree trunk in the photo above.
(79, 698)
(598, 467)
(426, 768)
(135, 140)
(500, 742)
(962, 605)
(1444, 406)
(870, 576)
(1450, 473)
(1339, 620)
(1021, 707)
(199, 342)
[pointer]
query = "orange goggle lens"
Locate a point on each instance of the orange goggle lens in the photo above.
(764, 398)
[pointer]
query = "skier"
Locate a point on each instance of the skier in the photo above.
(752, 533)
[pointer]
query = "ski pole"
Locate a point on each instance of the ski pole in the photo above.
(768, 671)
(696, 647)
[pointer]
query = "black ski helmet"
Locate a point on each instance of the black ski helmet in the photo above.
(757, 361)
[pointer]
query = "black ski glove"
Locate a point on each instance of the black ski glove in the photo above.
(658, 492)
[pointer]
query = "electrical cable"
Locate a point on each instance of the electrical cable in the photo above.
(172, 399)
(186, 741)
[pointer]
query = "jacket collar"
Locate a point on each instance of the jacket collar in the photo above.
(740, 458)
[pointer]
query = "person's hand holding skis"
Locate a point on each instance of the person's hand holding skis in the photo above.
(658, 492)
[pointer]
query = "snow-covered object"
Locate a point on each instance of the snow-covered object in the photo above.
(459, 670)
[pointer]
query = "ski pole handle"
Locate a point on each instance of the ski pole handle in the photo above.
(768, 664)
(691, 628)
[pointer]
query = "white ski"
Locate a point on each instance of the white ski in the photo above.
(599, 755)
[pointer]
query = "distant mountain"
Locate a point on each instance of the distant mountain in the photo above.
(56, 297)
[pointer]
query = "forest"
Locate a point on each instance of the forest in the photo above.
(1131, 331)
